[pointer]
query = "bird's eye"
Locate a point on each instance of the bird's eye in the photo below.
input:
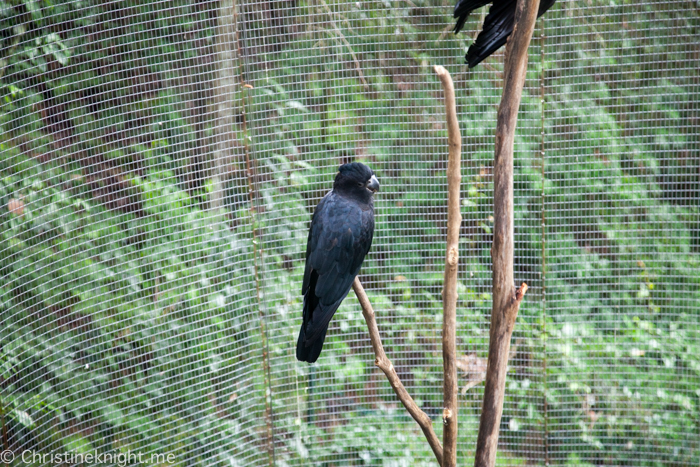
(360, 184)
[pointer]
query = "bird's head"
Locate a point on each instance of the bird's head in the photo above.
(357, 180)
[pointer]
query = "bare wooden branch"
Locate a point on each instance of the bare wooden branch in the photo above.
(449, 291)
(506, 300)
(385, 365)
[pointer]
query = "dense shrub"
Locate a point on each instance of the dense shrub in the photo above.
(138, 315)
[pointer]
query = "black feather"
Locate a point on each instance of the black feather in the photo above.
(339, 238)
(498, 25)
(463, 9)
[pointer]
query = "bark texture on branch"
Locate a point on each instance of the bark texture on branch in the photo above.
(384, 364)
(506, 300)
(449, 291)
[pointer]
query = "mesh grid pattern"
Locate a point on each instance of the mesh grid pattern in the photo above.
(159, 165)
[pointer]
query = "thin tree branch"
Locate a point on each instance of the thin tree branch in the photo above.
(347, 44)
(385, 365)
(449, 291)
(506, 300)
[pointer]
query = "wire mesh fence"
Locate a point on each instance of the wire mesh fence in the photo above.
(160, 162)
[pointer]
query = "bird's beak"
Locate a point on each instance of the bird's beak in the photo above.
(373, 184)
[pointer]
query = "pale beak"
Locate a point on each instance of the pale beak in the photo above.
(373, 184)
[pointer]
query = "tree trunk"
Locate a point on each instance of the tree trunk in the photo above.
(506, 299)
(224, 87)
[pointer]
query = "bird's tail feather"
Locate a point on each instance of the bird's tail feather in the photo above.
(310, 353)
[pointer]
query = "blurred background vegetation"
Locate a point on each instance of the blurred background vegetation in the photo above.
(159, 162)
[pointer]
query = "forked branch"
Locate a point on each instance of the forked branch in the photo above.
(385, 365)
(449, 299)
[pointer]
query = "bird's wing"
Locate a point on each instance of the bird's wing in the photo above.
(340, 237)
(498, 25)
(463, 9)
(315, 231)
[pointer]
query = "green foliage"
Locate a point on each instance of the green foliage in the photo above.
(121, 333)
(136, 317)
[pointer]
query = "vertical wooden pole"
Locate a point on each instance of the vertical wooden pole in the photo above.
(506, 299)
(449, 291)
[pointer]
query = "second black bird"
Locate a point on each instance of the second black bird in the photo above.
(339, 238)
(498, 25)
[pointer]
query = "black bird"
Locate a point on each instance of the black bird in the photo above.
(498, 25)
(339, 238)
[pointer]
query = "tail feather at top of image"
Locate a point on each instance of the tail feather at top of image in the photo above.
(498, 25)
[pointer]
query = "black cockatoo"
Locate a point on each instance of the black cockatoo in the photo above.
(498, 25)
(339, 238)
